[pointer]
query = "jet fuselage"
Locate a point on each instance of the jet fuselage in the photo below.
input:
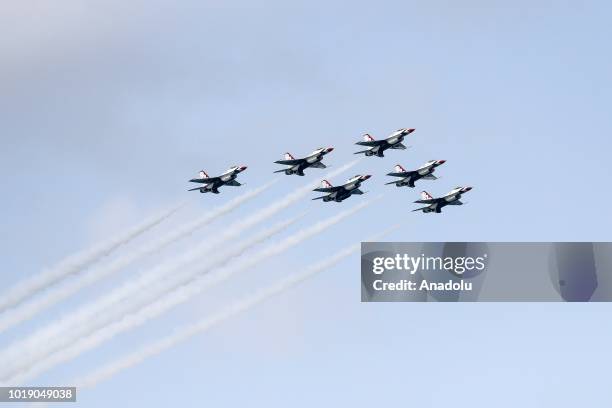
(452, 198)
(351, 187)
(394, 141)
(212, 184)
(425, 171)
(314, 159)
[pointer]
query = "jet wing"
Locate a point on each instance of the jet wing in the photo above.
(431, 201)
(320, 198)
(328, 189)
(209, 180)
(371, 143)
(402, 174)
(290, 162)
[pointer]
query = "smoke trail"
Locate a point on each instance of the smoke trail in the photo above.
(186, 332)
(181, 294)
(61, 333)
(55, 295)
(75, 263)
(38, 347)
(44, 363)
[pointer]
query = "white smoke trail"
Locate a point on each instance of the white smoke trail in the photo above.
(75, 263)
(182, 334)
(180, 295)
(123, 313)
(57, 294)
(58, 334)
(48, 337)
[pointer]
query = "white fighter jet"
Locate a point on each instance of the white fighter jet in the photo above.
(377, 147)
(409, 177)
(297, 166)
(212, 184)
(341, 193)
(436, 204)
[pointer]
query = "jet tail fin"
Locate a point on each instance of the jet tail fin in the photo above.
(326, 184)
(288, 156)
(426, 196)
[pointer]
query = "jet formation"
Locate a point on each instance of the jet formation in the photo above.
(339, 193)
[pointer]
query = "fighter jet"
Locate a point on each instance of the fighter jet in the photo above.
(409, 177)
(377, 147)
(212, 184)
(341, 193)
(436, 204)
(297, 166)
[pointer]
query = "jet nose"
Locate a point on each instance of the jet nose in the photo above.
(329, 149)
(467, 189)
(367, 176)
(411, 130)
(441, 161)
(243, 168)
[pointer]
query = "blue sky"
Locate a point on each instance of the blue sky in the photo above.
(108, 108)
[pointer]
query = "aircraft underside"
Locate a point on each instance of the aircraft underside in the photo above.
(338, 197)
(408, 181)
(376, 151)
(299, 169)
(437, 207)
(342, 195)
(214, 187)
(211, 188)
(380, 150)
